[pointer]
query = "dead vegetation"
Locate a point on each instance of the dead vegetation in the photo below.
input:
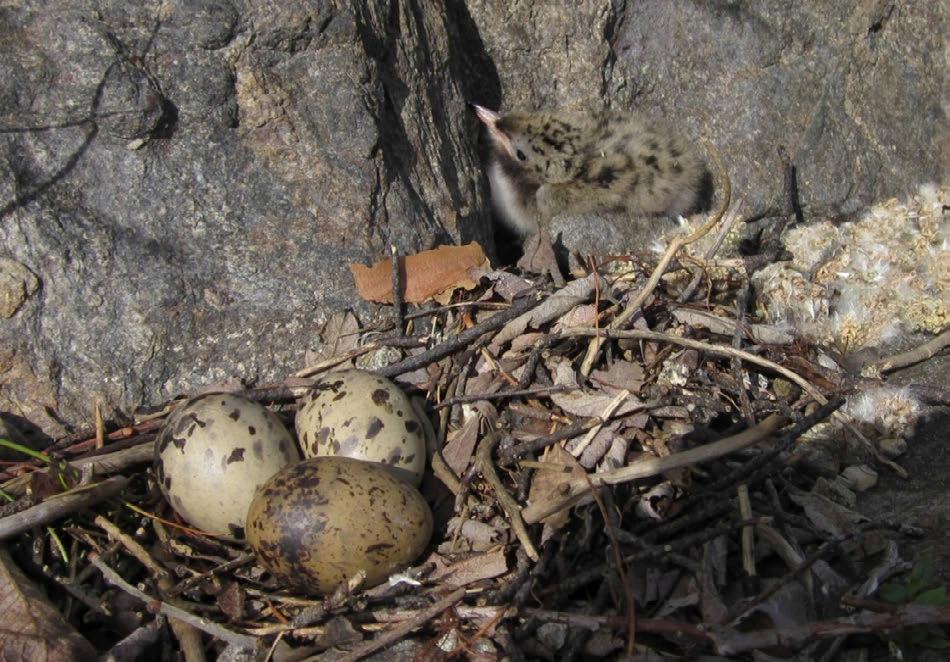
(617, 468)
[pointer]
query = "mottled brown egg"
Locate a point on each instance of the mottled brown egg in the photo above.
(353, 413)
(212, 454)
(317, 523)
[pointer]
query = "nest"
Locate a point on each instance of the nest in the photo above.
(616, 468)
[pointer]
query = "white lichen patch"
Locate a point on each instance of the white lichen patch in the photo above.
(864, 283)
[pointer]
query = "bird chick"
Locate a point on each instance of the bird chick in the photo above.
(550, 163)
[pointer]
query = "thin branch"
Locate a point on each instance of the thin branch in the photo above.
(503, 395)
(398, 278)
(203, 624)
(460, 341)
(720, 350)
(734, 642)
(484, 462)
(513, 453)
(422, 617)
(59, 506)
(574, 489)
(908, 358)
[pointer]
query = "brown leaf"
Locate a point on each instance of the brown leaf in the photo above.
(460, 445)
(546, 484)
(479, 535)
(338, 632)
(592, 404)
(427, 274)
(620, 375)
(231, 601)
(826, 515)
(33, 629)
(339, 335)
(480, 566)
(584, 315)
(507, 285)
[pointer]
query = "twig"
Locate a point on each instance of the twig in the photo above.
(185, 584)
(437, 462)
(673, 629)
(215, 630)
(503, 395)
(463, 339)
(578, 487)
(133, 547)
(59, 506)
(751, 470)
(527, 371)
(620, 564)
(736, 366)
(910, 357)
(735, 642)
(404, 628)
(100, 426)
(710, 253)
(720, 350)
(398, 283)
(101, 465)
(511, 454)
(606, 414)
(484, 462)
(748, 531)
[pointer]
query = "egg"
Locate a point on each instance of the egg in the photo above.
(212, 454)
(315, 524)
(353, 413)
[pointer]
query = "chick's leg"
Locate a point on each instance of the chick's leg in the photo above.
(539, 253)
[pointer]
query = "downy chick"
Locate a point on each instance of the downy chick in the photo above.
(550, 163)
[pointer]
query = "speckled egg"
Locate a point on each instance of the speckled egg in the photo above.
(356, 414)
(317, 523)
(211, 455)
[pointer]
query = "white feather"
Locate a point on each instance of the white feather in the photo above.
(507, 202)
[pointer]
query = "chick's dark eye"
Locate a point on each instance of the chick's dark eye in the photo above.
(521, 156)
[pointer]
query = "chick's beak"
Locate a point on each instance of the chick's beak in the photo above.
(490, 119)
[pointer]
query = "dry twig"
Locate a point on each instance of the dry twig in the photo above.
(578, 487)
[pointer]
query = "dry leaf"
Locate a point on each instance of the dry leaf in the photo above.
(506, 285)
(231, 600)
(339, 335)
(460, 445)
(33, 629)
(338, 632)
(546, 485)
(480, 566)
(620, 375)
(592, 404)
(827, 515)
(584, 315)
(479, 536)
(427, 274)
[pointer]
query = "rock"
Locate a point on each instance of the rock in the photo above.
(196, 178)
(189, 180)
(17, 284)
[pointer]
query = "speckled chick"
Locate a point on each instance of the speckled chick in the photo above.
(550, 163)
